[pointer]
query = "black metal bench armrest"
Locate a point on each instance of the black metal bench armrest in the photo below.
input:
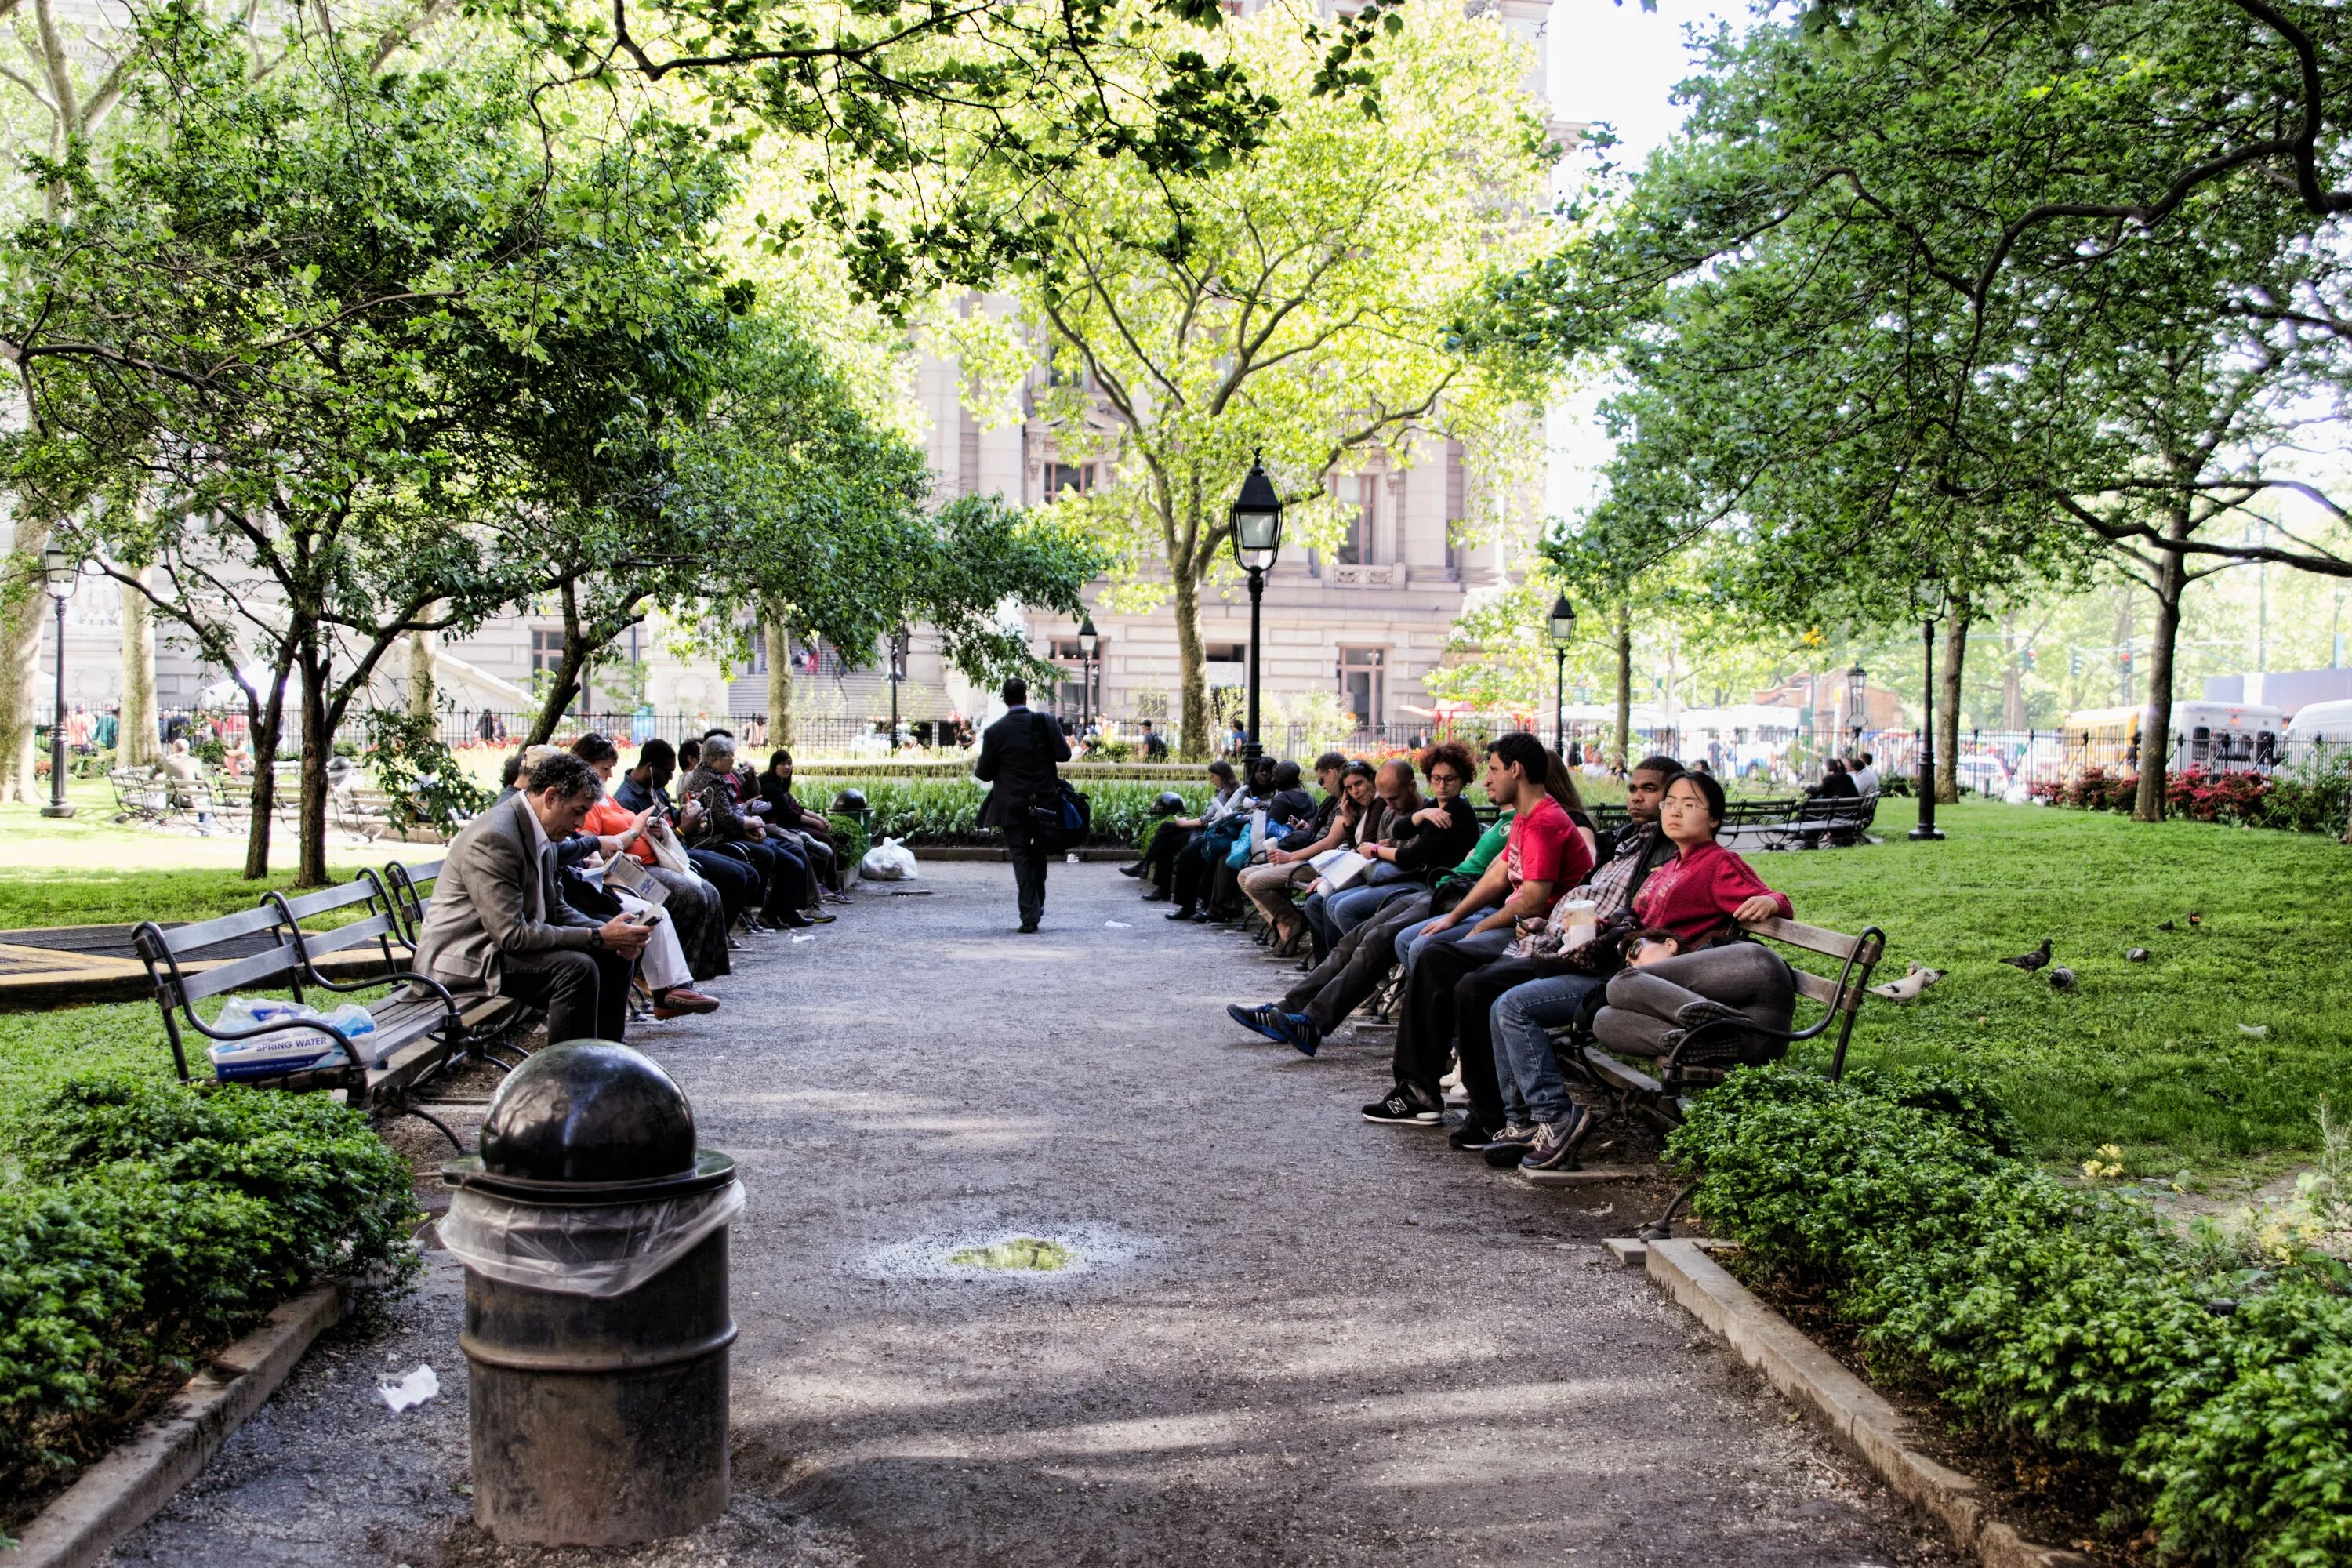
(451, 1021)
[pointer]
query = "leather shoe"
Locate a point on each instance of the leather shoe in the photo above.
(1028, 927)
(677, 1002)
(1155, 897)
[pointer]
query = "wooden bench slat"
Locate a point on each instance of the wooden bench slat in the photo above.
(277, 961)
(341, 937)
(1813, 988)
(1813, 939)
(181, 941)
(329, 898)
(1622, 1076)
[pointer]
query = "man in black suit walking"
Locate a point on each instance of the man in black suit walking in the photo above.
(1017, 755)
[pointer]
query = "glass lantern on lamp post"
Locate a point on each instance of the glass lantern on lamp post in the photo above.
(1257, 538)
(1562, 622)
(60, 575)
(1857, 694)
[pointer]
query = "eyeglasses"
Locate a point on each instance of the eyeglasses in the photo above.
(1448, 776)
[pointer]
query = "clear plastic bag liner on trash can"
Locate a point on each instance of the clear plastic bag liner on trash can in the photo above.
(598, 1250)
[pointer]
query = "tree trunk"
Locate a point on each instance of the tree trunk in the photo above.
(1624, 758)
(318, 747)
(136, 740)
(420, 704)
(267, 724)
(780, 675)
(1193, 736)
(1947, 718)
(2013, 679)
(21, 624)
(2156, 724)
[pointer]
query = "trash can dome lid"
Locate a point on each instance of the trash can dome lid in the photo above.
(589, 1112)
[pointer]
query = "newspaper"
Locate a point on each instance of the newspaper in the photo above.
(1340, 868)
(625, 874)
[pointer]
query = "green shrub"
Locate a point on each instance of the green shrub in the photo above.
(2071, 1323)
(145, 1223)
(930, 811)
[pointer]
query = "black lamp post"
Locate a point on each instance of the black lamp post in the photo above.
(1563, 626)
(1857, 690)
(60, 574)
(1930, 597)
(1258, 537)
(898, 673)
(1087, 639)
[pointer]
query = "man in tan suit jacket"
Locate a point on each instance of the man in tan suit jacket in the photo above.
(497, 923)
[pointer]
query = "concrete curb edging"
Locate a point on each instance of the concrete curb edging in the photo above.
(132, 1484)
(1858, 1414)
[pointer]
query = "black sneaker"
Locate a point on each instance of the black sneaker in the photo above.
(1471, 1135)
(1554, 1148)
(1259, 1020)
(1404, 1109)
(1299, 1029)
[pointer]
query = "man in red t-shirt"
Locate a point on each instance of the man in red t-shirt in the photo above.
(1547, 854)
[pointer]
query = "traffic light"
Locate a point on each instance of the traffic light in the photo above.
(2025, 661)
(2074, 661)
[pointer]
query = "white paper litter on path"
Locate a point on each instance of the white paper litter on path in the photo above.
(410, 1391)
(1119, 925)
(803, 936)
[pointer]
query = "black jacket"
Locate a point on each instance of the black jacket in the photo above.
(1017, 755)
(1433, 847)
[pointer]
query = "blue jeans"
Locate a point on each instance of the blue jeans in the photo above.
(1349, 909)
(1525, 1067)
(1411, 940)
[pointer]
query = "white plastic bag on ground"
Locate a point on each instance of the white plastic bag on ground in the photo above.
(888, 861)
(603, 1250)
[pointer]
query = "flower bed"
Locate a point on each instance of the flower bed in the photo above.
(144, 1225)
(2205, 1387)
(2310, 799)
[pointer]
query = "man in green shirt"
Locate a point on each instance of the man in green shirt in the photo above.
(1343, 982)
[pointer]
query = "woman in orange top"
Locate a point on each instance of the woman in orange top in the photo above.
(692, 902)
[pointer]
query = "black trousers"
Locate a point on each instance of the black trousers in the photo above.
(783, 875)
(1193, 870)
(1029, 860)
(1425, 1031)
(586, 994)
(1474, 995)
(732, 875)
(1160, 859)
(1345, 980)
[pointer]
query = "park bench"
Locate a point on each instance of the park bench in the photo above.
(138, 795)
(1818, 823)
(419, 1030)
(1660, 1091)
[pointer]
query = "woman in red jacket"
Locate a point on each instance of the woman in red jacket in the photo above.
(1698, 965)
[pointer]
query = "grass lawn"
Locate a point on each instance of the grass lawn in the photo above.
(88, 870)
(2212, 1056)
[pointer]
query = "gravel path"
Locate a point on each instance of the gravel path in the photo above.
(1289, 1336)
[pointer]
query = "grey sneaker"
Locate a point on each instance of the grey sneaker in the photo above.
(1554, 1146)
(1691, 1015)
(1506, 1148)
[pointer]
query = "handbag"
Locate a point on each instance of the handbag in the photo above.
(1062, 820)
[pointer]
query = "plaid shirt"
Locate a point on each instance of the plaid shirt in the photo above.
(1610, 891)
